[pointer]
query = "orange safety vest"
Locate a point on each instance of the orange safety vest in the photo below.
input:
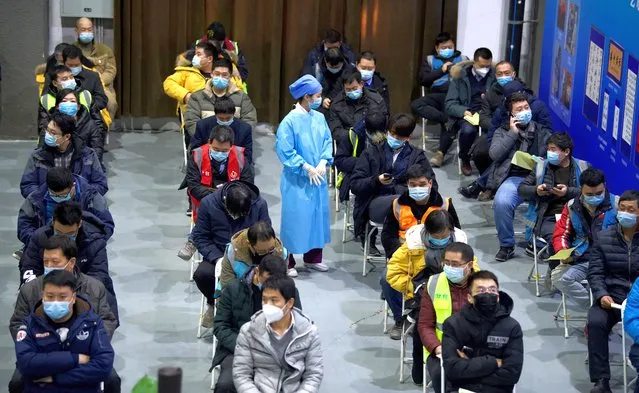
(406, 219)
(235, 165)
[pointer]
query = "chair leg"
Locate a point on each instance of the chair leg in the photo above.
(199, 325)
(459, 161)
(402, 350)
(423, 134)
(536, 266)
(345, 223)
(336, 200)
(385, 317)
(624, 363)
(366, 246)
(425, 378)
(563, 303)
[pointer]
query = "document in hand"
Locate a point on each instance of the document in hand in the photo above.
(524, 160)
(562, 254)
(474, 119)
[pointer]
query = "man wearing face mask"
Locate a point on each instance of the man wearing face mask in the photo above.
(332, 40)
(62, 185)
(483, 347)
(216, 35)
(582, 219)
(329, 73)
(464, 98)
(211, 166)
(63, 344)
(373, 80)
(60, 253)
(445, 295)
(549, 187)
(72, 58)
(350, 108)
(240, 299)
(61, 149)
(235, 206)
(225, 116)
(279, 349)
(613, 266)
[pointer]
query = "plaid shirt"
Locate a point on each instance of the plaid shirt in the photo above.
(63, 159)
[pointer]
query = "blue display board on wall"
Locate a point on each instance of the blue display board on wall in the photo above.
(589, 80)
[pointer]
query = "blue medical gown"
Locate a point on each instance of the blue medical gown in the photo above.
(304, 137)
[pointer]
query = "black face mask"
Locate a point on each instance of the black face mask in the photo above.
(486, 304)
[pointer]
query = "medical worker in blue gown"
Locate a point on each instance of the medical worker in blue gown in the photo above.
(305, 148)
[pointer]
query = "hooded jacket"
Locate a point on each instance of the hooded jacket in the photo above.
(88, 287)
(41, 353)
(499, 337)
(84, 163)
(255, 363)
(92, 256)
(345, 113)
(215, 227)
(315, 56)
(459, 95)
(37, 209)
(202, 105)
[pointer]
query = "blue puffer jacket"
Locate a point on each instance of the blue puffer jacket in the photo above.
(40, 352)
(605, 216)
(92, 257)
(84, 162)
(613, 264)
(37, 209)
(631, 315)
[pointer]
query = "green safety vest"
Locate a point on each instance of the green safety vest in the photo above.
(48, 100)
(352, 136)
(439, 292)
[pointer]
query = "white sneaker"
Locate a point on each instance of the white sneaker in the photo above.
(292, 272)
(320, 267)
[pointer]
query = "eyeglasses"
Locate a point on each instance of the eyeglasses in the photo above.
(492, 289)
(454, 263)
(262, 253)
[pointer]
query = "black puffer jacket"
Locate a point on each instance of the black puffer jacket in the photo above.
(613, 264)
(490, 339)
(345, 113)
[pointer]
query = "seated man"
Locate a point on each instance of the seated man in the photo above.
(216, 35)
(329, 73)
(412, 208)
(464, 98)
(445, 295)
(225, 116)
(212, 165)
(351, 106)
(554, 182)
(520, 135)
(89, 80)
(435, 76)
(380, 175)
(582, 219)
(264, 355)
(235, 206)
(63, 344)
(367, 66)
(490, 361)
(62, 150)
(350, 148)
(89, 235)
(332, 40)
(60, 253)
(202, 103)
(612, 269)
(631, 326)
(241, 298)
(62, 185)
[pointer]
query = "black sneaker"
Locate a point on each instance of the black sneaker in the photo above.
(504, 254)
(601, 386)
(470, 191)
(373, 251)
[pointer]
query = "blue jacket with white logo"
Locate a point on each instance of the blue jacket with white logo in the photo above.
(41, 353)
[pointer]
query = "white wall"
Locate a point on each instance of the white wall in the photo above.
(482, 23)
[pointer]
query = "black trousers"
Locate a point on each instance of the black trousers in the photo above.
(600, 323)
(111, 385)
(480, 155)
(434, 368)
(467, 135)
(418, 358)
(204, 278)
(431, 107)
(225, 380)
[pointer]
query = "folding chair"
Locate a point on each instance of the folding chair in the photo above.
(370, 227)
(459, 161)
(427, 382)
(348, 225)
(423, 92)
(218, 273)
(197, 257)
(183, 131)
(534, 271)
(406, 332)
(385, 325)
(624, 362)
(562, 308)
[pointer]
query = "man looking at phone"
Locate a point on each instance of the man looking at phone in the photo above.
(521, 134)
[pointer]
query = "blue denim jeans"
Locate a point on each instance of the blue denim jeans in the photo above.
(482, 180)
(506, 201)
(393, 297)
(467, 135)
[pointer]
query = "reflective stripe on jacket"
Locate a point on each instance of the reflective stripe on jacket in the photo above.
(406, 219)
(439, 292)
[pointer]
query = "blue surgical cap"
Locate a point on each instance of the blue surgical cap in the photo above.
(307, 84)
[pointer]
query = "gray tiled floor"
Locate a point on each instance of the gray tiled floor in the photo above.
(159, 306)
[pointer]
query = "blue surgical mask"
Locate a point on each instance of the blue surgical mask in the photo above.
(72, 237)
(219, 156)
(446, 52)
(219, 82)
(316, 103)
(59, 199)
(56, 310)
(366, 74)
(68, 108)
(626, 220)
(393, 142)
(334, 70)
(503, 80)
(69, 84)
(438, 243)
(419, 193)
(354, 95)
(85, 37)
(594, 200)
(76, 70)
(553, 157)
(196, 61)
(50, 139)
(48, 270)
(225, 123)
(454, 274)
(524, 117)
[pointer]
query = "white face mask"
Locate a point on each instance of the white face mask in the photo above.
(272, 313)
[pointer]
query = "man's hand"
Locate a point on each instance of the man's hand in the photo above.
(462, 355)
(542, 190)
(468, 113)
(44, 380)
(384, 180)
(606, 302)
(187, 97)
(446, 66)
(326, 103)
(83, 359)
(559, 190)
(499, 362)
(513, 124)
(438, 350)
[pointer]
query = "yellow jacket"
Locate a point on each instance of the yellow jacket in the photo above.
(408, 260)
